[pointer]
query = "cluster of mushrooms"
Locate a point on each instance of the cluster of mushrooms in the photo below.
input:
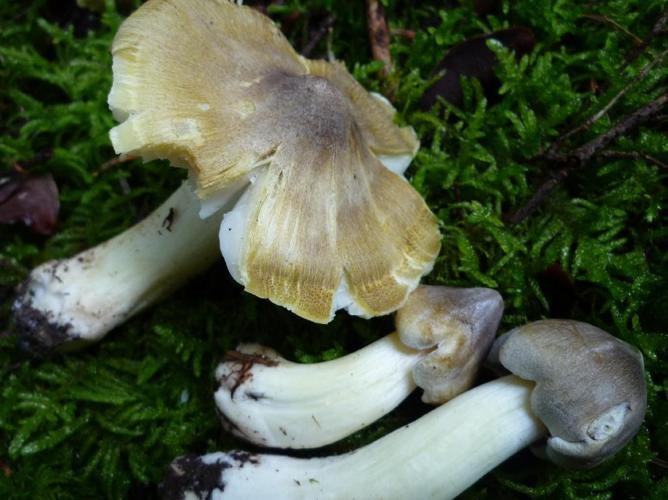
(296, 176)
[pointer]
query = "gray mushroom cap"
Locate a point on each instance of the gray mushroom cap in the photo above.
(459, 324)
(590, 387)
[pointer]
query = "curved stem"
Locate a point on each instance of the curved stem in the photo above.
(273, 402)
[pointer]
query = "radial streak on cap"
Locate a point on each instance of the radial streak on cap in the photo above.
(215, 87)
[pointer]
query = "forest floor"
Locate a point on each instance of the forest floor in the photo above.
(562, 225)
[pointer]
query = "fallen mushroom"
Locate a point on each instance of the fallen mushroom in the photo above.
(76, 300)
(321, 226)
(270, 401)
(589, 397)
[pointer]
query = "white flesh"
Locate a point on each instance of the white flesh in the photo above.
(234, 227)
(224, 198)
(293, 405)
(438, 456)
(396, 163)
(89, 294)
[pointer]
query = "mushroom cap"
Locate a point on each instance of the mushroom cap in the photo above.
(215, 87)
(459, 324)
(590, 386)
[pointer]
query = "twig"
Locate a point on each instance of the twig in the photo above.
(552, 152)
(541, 193)
(658, 27)
(403, 33)
(379, 35)
(632, 120)
(583, 154)
(606, 20)
(112, 163)
(633, 155)
(318, 33)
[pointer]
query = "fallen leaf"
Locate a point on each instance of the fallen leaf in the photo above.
(486, 7)
(559, 289)
(472, 58)
(31, 200)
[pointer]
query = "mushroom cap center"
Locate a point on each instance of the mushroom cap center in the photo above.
(298, 108)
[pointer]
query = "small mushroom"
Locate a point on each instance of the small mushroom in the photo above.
(590, 387)
(273, 402)
(323, 224)
(454, 328)
(583, 388)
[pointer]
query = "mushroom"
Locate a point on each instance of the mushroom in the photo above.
(574, 383)
(325, 220)
(590, 387)
(322, 224)
(270, 401)
(78, 300)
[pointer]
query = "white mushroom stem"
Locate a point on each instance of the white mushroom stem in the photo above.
(438, 456)
(443, 335)
(270, 401)
(82, 298)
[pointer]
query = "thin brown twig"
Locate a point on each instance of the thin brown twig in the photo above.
(606, 20)
(632, 120)
(580, 156)
(379, 35)
(113, 162)
(318, 33)
(658, 27)
(543, 191)
(552, 151)
(633, 155)
(403, 33)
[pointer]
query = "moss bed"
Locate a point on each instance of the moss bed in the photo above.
(104, 422)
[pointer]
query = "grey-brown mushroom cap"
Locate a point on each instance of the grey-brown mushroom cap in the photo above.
(459, 324)
(590, 387)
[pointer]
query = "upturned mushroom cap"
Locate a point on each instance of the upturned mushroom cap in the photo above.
(460, 325)
(590, 387)
(215, 87)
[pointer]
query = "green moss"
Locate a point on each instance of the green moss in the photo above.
(104, 422)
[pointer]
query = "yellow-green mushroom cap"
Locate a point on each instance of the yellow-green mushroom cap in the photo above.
(323, 224)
